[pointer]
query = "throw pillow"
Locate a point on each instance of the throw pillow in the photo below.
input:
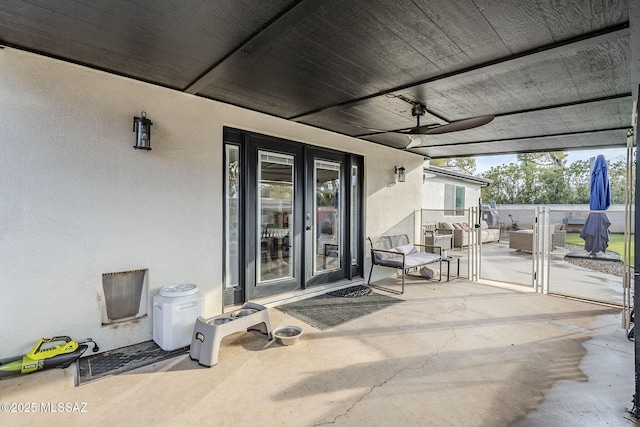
(406, 249)
(384, 256)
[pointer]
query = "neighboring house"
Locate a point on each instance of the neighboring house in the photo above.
(447, 194)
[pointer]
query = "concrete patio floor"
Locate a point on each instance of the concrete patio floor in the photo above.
(502, 264)
(450, 354)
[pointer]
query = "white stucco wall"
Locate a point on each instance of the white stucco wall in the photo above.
(433, 198)
(77, 201)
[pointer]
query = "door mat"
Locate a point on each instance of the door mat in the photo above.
(121, 360)
(327, 311)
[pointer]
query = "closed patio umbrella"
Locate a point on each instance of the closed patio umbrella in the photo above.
(595, 231)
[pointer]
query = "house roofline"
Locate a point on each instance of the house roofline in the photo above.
(484, 182)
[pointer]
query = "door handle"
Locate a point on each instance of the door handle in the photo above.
(307, 218)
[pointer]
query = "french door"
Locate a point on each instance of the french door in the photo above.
(326, 228)
(274, 229)
(293, 212)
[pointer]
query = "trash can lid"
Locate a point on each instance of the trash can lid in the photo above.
(182, 290)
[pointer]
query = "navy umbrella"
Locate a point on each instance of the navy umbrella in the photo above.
(595, 231)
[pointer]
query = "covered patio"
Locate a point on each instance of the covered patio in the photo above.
(338, 102)
(455, 353)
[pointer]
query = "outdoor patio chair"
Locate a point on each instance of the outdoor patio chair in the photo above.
(395, 251)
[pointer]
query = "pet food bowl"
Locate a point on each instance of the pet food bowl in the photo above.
(244, 312)
(220, 320)
(288, 335)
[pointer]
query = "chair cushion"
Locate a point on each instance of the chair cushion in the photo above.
(412, 260)
(413, 257)
(420, 258)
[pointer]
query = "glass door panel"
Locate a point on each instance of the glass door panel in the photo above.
(355, 215)
(327, 218)
(234, 292)
(327, 248)
(275, 217)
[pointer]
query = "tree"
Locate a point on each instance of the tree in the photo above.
(504, 187)
(465, 164)
(554, 184)
(618, 180)
(551, 158)
(544, 178)
(578, 179)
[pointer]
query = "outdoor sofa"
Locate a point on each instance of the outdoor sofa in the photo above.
(395, 251)
(460, 231)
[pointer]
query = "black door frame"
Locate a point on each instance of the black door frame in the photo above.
(249, 144)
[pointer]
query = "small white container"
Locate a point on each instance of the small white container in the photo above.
(175, 311)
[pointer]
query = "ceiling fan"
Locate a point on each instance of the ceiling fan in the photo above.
(418, 110)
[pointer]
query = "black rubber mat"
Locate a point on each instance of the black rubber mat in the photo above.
(352, 292)
(121, 360)
(326, 311)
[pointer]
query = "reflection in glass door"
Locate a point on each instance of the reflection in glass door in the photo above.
(275, 219)
(355, 215)
(233, 292)
(327, 216)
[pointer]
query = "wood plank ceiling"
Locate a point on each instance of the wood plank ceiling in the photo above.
(557, 75)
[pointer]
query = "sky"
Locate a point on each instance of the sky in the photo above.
(484, 163)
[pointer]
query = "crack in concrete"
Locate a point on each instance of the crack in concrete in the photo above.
(463, 303)
(398, 372)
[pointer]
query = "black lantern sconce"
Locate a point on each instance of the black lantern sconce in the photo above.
(142, 128)
(401, 173)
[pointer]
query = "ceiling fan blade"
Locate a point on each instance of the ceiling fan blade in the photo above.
(435, 129)
(422, 130)
(416, 141)
(458, 125)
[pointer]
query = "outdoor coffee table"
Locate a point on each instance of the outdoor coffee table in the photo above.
(448, 260)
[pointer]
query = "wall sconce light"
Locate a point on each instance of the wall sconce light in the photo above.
(142, 128)
(401, 173)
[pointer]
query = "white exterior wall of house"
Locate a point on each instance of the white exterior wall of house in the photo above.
(433, 198)
(77, 201)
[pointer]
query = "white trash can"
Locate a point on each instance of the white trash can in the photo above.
(175, 311)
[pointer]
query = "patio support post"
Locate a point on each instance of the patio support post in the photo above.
(636, 288)
(541, 243)
(627, 303)
(473, 248)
